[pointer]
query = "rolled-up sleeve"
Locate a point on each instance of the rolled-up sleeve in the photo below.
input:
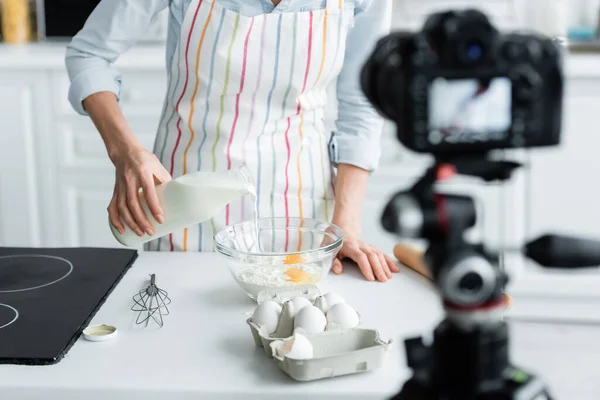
(356, 139)
(110, 30)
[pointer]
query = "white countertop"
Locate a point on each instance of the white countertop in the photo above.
(205, 349)
(152, 56)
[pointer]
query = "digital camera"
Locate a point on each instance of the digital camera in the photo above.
(460, 86)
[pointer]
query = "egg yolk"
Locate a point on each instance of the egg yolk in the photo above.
(293, 259)
(298, 276)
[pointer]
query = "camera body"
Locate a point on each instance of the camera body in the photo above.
(459, 86)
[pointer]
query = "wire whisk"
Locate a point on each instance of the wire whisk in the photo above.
(151, 302)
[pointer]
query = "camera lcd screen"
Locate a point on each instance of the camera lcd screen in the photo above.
(469, 110)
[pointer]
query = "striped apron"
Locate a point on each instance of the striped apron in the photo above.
(253, 91)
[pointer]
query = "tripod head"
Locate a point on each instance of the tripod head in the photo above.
(464, 272)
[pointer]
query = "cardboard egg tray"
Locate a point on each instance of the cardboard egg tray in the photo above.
(337, 351)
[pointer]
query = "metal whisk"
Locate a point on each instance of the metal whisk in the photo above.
(151, 302)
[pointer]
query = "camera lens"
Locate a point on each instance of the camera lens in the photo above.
(474, 51)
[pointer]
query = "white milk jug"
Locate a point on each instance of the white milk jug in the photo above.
(189, 200)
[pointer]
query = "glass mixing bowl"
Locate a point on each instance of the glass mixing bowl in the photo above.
(289, 251)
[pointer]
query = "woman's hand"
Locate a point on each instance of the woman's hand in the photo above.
(350, 190)
(136, 168)
(373, 264)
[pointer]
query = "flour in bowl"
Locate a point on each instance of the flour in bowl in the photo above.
(255, 279)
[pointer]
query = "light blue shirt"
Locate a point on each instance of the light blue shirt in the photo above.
(115, 25)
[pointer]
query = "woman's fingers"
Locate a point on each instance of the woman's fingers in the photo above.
(113, 212)
(152, 198)
(137, 170)
(161, 175)
(124, 212)
(384, 265)
(337, 267)
(375, 264)
(391, 264)
(166, 177)
(133, 202)
(359, 257)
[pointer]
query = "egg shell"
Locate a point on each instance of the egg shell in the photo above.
(299, 348)
(333, 298)
(299, 303)
(267, 315)
(311, 319)
(343, 316)
(328, 300)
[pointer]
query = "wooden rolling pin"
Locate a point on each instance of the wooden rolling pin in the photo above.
(412, 258)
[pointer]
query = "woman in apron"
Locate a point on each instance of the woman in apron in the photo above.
(247, 85)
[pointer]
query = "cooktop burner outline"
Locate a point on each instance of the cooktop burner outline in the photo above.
(14, 319)
(69, 263)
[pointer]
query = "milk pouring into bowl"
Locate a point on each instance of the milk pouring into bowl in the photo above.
(191, 199)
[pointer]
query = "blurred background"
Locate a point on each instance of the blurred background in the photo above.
(56, 179)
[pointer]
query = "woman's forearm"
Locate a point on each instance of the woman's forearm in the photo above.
(350, 189)
(106, 114)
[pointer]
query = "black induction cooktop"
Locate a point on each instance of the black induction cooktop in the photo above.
(48, 296)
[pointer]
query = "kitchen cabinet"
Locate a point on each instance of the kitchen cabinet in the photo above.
(22, 163)
(563, 191)
(571, 198)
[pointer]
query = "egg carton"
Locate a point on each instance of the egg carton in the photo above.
(335, 353)
(285, 326)
(280, 295)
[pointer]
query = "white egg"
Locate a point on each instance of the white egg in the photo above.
(330, 299)
(267, 315)
(342, 316)
(299, 348)
(311, 319)
(298, 304)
